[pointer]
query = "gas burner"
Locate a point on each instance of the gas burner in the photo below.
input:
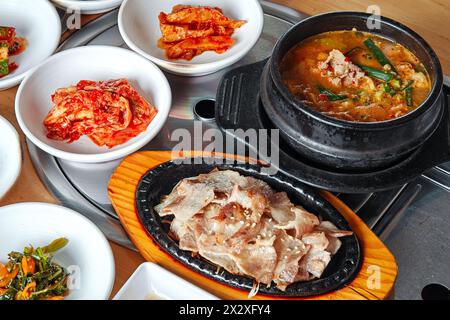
(238, 106)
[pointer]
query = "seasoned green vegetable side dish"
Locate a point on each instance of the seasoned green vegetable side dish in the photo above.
(356, 76)
(32, 275)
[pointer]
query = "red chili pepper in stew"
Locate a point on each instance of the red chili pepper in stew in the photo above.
(323, 97)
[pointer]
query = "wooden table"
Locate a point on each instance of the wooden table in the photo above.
(427, 17)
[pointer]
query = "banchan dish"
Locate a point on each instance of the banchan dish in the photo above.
(346, 145)
(160, 181)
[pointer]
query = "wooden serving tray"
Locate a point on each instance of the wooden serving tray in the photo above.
(374, 281)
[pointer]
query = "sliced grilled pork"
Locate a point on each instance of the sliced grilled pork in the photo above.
(239, 223)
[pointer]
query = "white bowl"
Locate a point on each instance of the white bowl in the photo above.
(87, 254)
(10, 156)
(150, 282)
(39, 23)
(88, 6)
(66, 68)
(139, 27)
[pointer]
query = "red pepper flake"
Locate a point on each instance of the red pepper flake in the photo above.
(323, 97)
(347, 59)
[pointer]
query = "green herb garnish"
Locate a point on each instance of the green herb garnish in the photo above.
(331, 96)
(377, 74)
(378, 54)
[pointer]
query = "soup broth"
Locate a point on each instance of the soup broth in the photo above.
(356, 76)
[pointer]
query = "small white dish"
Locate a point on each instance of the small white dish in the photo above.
(33, 101)
(139, 27)
(10, 156)
(39, 23)
(88, 254)
(151, 282)
(88, 6)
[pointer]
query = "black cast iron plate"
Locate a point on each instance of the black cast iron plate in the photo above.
(160, 181)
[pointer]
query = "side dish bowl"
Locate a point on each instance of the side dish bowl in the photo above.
(345, 145)
(87, 255)
(139, 27)
(88, 6)
(39, 23)
(96, 63)
(152, 282)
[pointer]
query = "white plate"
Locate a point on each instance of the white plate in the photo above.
(39, 23)
(87, 254)
(150, 282)
(33, 101)
(139, 27)
(88, 6)
(10, 156)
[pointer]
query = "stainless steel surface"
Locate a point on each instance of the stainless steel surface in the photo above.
(94, 30)
(386, 224)
(421, 242)
(447, 80)
(56, 181)
(412, 219)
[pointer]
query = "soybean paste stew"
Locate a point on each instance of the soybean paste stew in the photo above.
(356, 76)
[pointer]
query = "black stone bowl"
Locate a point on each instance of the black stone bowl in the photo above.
(340, 144)
(160, 181)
